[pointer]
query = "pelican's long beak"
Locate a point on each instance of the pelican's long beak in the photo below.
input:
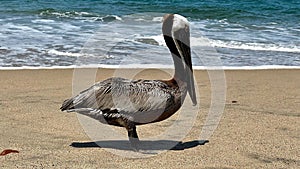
(182, 41)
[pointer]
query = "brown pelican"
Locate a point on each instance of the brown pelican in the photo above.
(127, 103)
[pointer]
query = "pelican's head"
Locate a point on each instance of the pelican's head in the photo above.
(176, 31)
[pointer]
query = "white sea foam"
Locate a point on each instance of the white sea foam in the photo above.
(155, 66)
(254, 46)
(196, 41)
(81, 55)
(159, 39)
(263, 67)
(55, 52)
(117, 17)
(18, 28)
(87, 16)
(43, 21)
(157, 19)
(65, 14)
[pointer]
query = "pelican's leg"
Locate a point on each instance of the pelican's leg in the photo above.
(133, 137)
(115, 118)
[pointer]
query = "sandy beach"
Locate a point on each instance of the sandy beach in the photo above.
(259, 127)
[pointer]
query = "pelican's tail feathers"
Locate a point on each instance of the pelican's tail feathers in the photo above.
(67, 105)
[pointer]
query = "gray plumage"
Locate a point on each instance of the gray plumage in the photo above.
(140, 101)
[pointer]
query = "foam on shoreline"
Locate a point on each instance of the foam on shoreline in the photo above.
(154, 66)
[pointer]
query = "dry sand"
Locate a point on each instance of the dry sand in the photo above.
(259, 127)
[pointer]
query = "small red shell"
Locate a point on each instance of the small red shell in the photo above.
(7, 151)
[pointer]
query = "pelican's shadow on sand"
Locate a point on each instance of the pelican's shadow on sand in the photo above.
(143, 145)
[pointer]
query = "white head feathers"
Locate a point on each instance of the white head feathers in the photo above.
(180, 22)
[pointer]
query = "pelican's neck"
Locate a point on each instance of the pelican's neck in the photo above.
(179, 68)
(167, 29)
(176, 33)
(179, 73)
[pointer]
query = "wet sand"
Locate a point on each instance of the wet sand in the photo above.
(259, 127)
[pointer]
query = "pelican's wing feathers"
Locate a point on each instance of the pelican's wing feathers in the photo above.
(125, 96)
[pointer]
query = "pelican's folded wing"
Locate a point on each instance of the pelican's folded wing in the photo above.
(126, 96)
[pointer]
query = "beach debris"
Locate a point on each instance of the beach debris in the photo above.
(234, 101)
(7, 151)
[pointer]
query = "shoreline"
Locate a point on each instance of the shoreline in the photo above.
(259, 126)
(153, 66)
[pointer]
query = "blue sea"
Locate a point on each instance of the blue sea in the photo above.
(40, 33)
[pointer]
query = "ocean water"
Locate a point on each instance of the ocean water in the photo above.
(40, 33)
